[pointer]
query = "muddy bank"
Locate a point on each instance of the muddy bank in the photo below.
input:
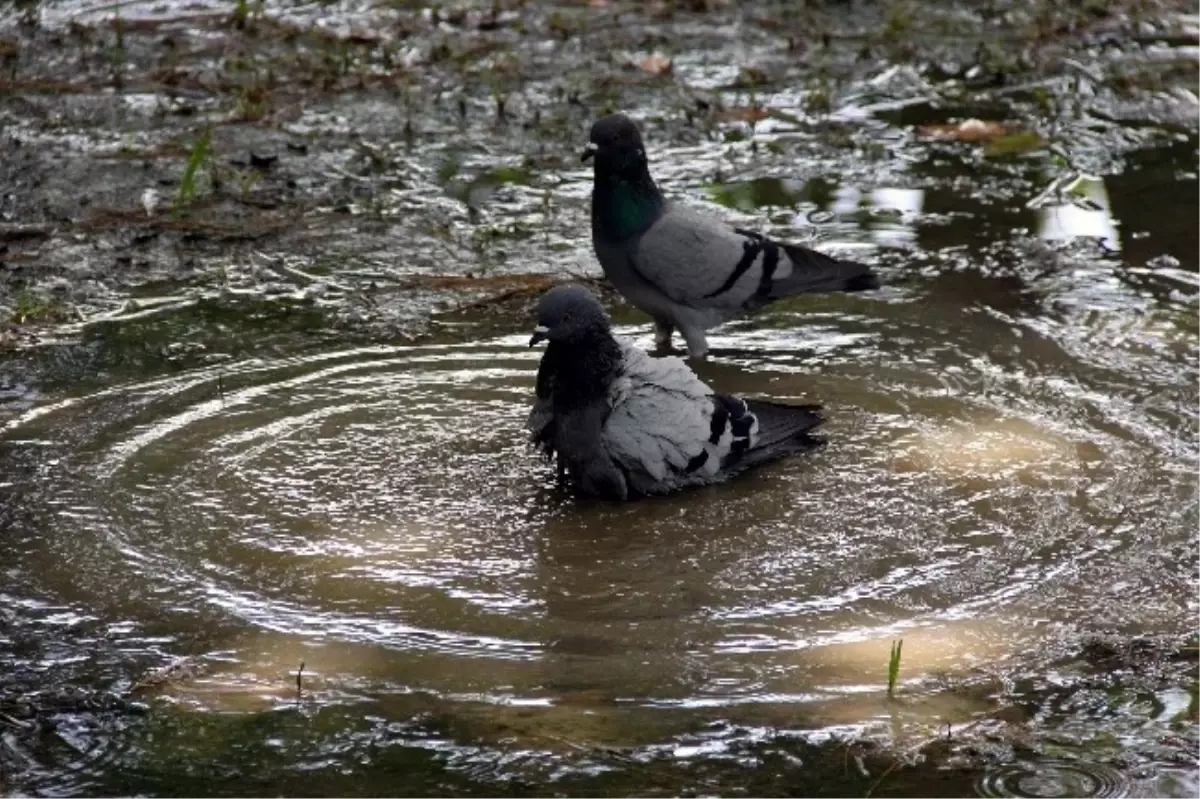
(377, 166)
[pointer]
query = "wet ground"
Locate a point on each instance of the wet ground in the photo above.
(269, 524)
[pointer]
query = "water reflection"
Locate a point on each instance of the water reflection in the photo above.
(1086, 213)
(889, 214)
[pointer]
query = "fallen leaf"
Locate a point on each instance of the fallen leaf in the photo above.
(655, 64)
(971, 130)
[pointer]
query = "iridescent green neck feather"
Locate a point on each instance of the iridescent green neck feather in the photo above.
(622, 208)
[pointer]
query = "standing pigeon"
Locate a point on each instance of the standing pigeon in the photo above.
(685, 269)
(622, 424)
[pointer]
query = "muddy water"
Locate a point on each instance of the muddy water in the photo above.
(368, 584)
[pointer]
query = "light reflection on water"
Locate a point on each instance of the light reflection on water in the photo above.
(1090, 216)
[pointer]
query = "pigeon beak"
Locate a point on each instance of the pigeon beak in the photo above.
(540, 333)
(589, 151)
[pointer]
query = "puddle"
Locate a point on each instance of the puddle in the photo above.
(374, 514)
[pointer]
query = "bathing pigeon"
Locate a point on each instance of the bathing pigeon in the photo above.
(688, 270)
(621, 424)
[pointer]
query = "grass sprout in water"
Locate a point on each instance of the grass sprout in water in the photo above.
(894, 666)
(196, 158)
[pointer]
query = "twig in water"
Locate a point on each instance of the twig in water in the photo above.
(17, 723)
(299, 677)
(292, 273)
(503, 296)
(894, 765)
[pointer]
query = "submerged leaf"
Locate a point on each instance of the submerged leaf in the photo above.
(749, 77)
(1014, 144)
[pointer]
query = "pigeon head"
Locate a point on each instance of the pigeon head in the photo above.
(616, 146)
(568, 312)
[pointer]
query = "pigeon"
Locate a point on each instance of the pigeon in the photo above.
(685, 269)
(621, 424)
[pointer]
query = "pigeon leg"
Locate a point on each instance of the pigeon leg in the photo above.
(697, 343)
(662, 333)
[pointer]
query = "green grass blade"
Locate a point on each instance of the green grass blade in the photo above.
(894, 666)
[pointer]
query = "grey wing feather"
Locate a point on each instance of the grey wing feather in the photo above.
(541, 423)
(690, 258)
(541, 419)
(659, 428)
(700, 262)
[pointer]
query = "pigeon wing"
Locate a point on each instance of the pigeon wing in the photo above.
(541, 421)
(700, 262)
(665, 429)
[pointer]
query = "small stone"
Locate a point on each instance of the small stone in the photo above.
(150, 201)
(263, 160)
(1163, 262)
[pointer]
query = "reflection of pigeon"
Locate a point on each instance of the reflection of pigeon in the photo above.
(687, 270)
(623, 424)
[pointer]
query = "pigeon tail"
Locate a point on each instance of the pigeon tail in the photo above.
(814, 272)
(778, 422)
(783, 430)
